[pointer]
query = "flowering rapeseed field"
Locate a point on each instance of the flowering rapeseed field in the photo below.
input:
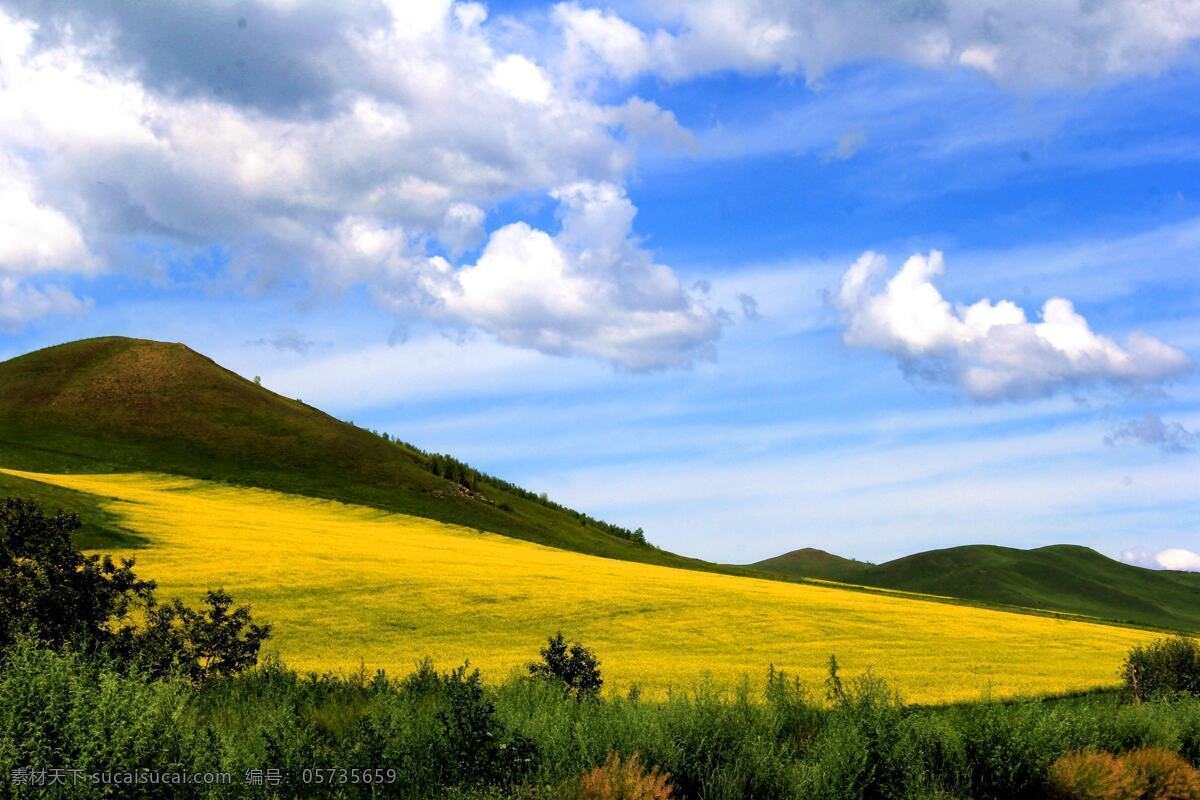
(346, 586)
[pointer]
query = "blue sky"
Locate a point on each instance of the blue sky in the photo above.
(611, 252)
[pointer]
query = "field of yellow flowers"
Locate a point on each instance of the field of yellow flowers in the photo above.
(347, 586)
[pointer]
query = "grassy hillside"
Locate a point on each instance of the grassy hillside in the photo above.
(347, 586)
(1066, 578)
(809, 562)
(117, 404)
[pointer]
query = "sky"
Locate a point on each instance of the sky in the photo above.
(872, 277)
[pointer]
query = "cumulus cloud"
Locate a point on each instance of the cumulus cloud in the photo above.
(990, 350)
(1020, 42)
(34, 236)
(596, 39)
(363, 151)
(589, 289)
(1179, 559)
(1175, 558)
(1151, 429)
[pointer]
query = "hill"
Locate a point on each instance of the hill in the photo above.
(809, 562)
(1066, 578)
(115, 404)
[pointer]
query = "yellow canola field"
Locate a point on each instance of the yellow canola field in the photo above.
(346, 586)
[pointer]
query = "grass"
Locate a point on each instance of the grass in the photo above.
(1065, 578)
(347, 586)
(99, 529)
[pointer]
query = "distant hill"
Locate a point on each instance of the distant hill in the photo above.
(1067, 578)
(809, 562)
(118, 404)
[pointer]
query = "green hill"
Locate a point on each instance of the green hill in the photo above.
(1068, 578)
(809, 562)
(117, 404)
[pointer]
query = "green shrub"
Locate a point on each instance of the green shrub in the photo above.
(51, 592)
(447, 735)
(574, 666)
(1164, 666)
(64, 711)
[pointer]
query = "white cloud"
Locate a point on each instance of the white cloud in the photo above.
(33, 235)
(521, 79)
(21, 303)
(1174, 558)
(1021, 42)
(601, 38)
(405, 123)
(589, 289)
(1177, 558)
(991, 350)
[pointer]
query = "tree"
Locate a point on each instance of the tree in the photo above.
(51, 591)
(574, 666)
(55, 594)
(1163, 667)
(200, 645)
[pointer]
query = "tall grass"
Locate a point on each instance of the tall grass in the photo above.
(448, 735)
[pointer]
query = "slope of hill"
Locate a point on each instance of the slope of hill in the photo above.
(1067, 578)
(809, 562)
(118, 404)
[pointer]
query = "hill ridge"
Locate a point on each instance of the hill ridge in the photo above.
(1061, 577)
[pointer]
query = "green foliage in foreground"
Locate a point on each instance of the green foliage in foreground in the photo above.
(447, 735)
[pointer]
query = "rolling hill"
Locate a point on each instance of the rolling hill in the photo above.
(115, 404)
(1065, 578)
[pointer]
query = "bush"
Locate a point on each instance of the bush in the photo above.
(574, 666)
(1149, 773)
(1091, 776)
(64, 710)
(1162, 775)
(626, 779)
(199, 645)
(1165, 666)
(439, 730)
